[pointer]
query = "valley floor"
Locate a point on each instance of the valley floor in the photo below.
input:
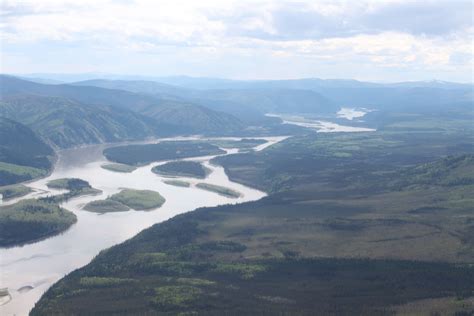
(28, 271)
(369, 223)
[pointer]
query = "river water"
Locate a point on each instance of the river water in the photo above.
(28, 271)
(321, 126)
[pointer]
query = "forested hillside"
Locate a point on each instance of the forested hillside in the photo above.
(65, 123)
(362, 223)
(23, 155)
(151, 116)
(240, 102)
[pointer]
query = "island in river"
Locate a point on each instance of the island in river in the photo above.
(118, 167)
(105, 206)
(323, 207)
(178, 183)
(192, 169)
(242, 144)
(127, 199)
(30, 220)
(219, 190)
(58, 256)
(166, 150)
(14, 191)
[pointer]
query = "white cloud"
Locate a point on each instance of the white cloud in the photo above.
(330, 31)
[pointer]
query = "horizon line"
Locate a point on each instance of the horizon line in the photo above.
(98, 74)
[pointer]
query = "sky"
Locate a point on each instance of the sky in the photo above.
(372, 40)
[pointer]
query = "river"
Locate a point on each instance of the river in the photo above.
(28, 271)
(321, 126)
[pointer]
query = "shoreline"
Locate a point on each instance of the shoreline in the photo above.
(218, 171)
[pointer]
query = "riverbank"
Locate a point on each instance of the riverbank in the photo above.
(41, 264)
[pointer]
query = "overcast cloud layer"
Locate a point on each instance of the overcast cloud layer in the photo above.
(368, 40)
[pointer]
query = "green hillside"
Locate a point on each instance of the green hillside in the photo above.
(176, 105)
(65, 123)
(450, 171)
(167, 116)
(194, 118)
(334, 235)
(23, 155)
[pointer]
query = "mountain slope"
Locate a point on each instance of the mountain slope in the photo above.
(137, 86)
(23, 155)
(313, 95)
(315, 84)
(247, 104)
(12, 86)
(272, 100)
(199, 118)
(408, 99)
(67, 123)
(140, 103)
(450, 171)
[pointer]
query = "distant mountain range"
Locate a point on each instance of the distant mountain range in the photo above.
(209, 83)
(68, 115)
(118, 108)
(108, 110)
(233, 96)
(310, 95)
(239, 102)
(248, 99)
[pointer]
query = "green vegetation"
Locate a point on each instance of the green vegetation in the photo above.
(31, 220)
(144, 154)
(450, 171)
(14, 191)
(244, 270)
(71, 184)
(93, 282)
(176, 295)
(125, 200)
(219, 190)
(242, 144)
(76, 187)
(66, 122)
(11, 173)
(194, 281)
(191, 169)
(175, 269)
(23, 155)
(69, 115)
(105, 206)
(117, 167)
(178, 183)
(366, 223)
(139, 199)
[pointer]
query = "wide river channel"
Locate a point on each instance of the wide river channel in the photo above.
(28, 271)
